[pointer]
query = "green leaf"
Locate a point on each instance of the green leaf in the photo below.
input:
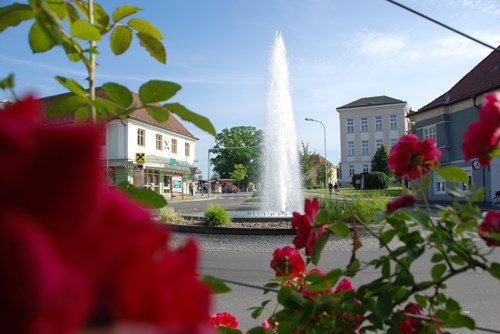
(12, 15)
(153, 46)
(495, 270)
(101, 18)
(143, 195)
(82, 114)
(106, 107)
(71, 13)
(437, 257)
(84, 30)
(118, 93)
(452, 306)
(453, 174)
(421, 300)
(257, 330)
(39, 40)
(71, 51)
(352, 268)
(228, 330)
(384, 305)
(145, 27)
(72, 85)
(120, 40)
(200, 121)
(438, 270)
(459, 320)
(290, 298)
(387, 236)
(7, 82)
(216, 284)
(160, 114)
(318, 247)
(341, 229)
(257, 311)
(66, 104)
(124, 11)
(457, 260)
(157, 91)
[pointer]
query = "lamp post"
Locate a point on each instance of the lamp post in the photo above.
(324, 137)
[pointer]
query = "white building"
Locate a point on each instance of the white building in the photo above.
(365, 125)
(143, 152)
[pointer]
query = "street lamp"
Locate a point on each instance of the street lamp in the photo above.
(324, 137)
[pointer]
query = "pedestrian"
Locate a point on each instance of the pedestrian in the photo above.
(191, 192)
(336, 186)
(330, 188)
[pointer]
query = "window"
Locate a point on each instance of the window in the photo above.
(366, 168)
(351, 170)
(378, 123)
(364, 148)
(393, 121)
(466, 186)
(141, 138)
(350, 125)
(379, 143)
(174, 146)
(394, 141)
(159, 142)
(187, 149)
(350, 148)
(439, 184)
(364, 124)
(429, 132)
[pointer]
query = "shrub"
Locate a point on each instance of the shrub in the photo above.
(216, 215)
(166, 214)
(356, 178)
(376, 180)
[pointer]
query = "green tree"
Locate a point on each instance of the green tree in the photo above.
(320, 174)
(379, 161)
(238, 145)
(238, 174)
(306, 163)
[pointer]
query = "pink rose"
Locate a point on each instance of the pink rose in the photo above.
(344, 284)
(413, 158)
(401, 202)
(287, 261)
(412, 325)
(490, 224)
(483, 136)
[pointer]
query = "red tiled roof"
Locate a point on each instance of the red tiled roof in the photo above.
(141, 114)
(483, 78)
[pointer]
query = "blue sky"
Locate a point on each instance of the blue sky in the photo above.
(338, 51)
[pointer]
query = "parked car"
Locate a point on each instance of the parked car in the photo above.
(229, 188)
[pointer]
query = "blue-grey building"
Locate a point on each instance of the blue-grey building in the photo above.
(446, 119)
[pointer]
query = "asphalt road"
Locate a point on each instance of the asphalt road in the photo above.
(245, 259)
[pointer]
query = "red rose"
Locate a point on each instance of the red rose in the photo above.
(307, 234)
(490, 224)
(401, 202)
(72, 236)
(483, 136)
(223, 319)
(287, 261)
(411, 325)
(413, 158)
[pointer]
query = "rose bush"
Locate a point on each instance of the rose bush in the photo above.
(394, 301)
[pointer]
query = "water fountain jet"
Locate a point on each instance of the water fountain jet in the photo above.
(281, 186)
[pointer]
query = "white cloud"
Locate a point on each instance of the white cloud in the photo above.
(378, 44)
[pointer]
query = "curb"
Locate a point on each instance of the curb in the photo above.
(201, 229)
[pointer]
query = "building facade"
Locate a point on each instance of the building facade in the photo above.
(143, 152)
(365, 125)
(446, 119)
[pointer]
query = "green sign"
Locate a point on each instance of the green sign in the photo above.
(177, 184)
